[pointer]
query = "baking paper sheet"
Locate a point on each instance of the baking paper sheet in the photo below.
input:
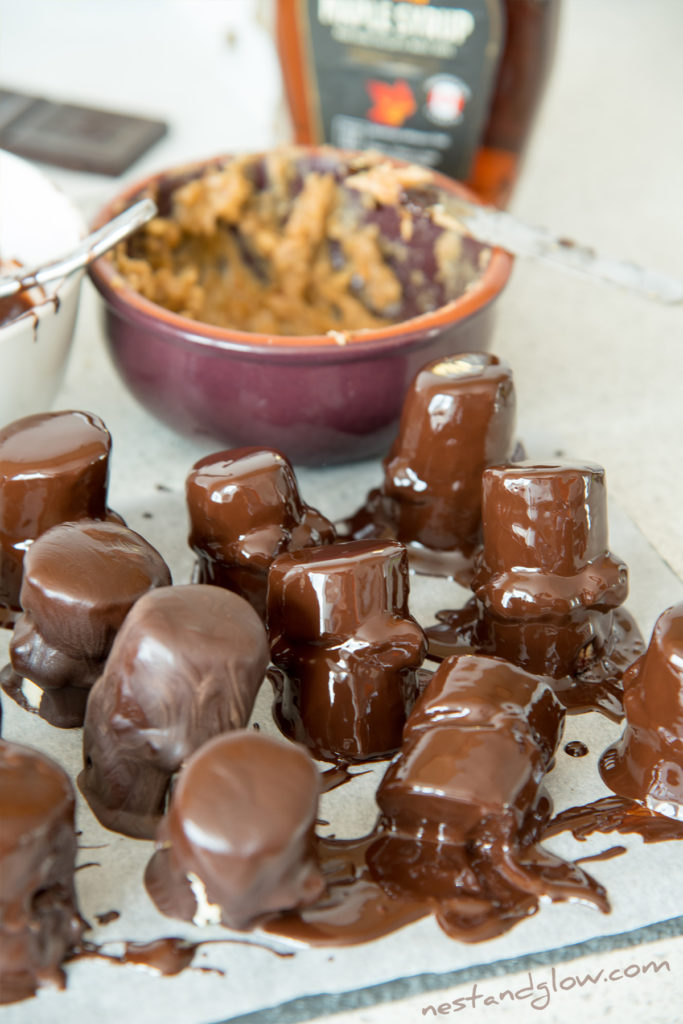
(645, 885)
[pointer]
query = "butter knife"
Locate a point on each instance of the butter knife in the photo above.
(497, 228)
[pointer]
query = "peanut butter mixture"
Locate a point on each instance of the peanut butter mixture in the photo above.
(279, 246)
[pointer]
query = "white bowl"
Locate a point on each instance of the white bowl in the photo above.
(37, 223)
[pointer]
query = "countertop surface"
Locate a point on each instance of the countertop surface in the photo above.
(598, 371)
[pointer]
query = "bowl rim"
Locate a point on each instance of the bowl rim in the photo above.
(45, 305)
(133, 306)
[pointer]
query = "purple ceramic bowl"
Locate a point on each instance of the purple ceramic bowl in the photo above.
(311, 397)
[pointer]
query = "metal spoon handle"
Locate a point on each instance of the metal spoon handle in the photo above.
(95, 245)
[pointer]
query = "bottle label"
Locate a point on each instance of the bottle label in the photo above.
(411, 78)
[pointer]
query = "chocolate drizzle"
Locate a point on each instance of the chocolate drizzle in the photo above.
(166, 956)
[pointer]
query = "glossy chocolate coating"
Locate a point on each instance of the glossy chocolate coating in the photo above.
(80, 581)
(186, 665)
(547, 586)
(475, 749)
(245, 510)
(54, 468)
(348, 649)
(458, 417)
(647, 763)
(463, 810)
(238, 833)
(463, 805)
(39, 919)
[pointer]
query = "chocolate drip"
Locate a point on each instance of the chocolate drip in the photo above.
(458, 417)
(462, 814)
(54, 468)
(338, 775)
(186, 665)
(245, 510)
(345, 646)
(14, 306)
(80, 580)
(237, 842)
(39, 919)
(608, 854)
(547, 592)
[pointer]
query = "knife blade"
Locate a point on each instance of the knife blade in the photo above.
(498, 228)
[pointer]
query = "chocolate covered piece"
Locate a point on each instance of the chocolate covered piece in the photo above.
(186, 665)
(54, 468)
(237, 843)
(547, 586)
(346, 647)
(245, 510)
(458, 417)
(476, 747)
(462, 803)
(39, 919)
(80, 581)
(646, 765)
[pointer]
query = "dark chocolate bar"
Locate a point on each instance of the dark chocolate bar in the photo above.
(72, 136)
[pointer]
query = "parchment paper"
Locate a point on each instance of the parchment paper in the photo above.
(645, 884)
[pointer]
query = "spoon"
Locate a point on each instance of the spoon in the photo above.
(95, 245)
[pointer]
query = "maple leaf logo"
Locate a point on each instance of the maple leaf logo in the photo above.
(392, 104)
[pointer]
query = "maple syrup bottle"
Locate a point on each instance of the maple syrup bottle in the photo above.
(451, 84)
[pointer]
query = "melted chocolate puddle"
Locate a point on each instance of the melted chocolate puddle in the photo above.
(453, 632)
(108, 916)
(598, 687)
(615, 814)
(382, 882)
(575, 748)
